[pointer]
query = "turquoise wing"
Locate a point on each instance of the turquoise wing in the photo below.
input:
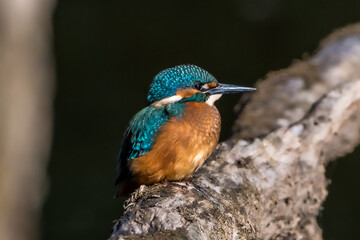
(139, 137)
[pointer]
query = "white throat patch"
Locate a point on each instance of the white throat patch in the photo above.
(166, 101)
(212, 99)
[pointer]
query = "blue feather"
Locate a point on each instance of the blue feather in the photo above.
(141, 132)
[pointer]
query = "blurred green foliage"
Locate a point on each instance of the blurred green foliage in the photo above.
(106, 54)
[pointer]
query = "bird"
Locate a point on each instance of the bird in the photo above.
(172, 137)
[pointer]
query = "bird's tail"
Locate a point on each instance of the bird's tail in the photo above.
(126, 187)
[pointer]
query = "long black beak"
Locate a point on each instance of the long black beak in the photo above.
(228, 88)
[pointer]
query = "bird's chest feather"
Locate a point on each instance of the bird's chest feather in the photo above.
(202, 123)
(181, 146)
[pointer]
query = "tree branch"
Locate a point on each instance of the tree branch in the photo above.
(267, 181)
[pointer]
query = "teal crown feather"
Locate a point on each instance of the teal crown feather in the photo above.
(168, 81)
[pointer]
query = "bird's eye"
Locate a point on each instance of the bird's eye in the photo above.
(198, 86)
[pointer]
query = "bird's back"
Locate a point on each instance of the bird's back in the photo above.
(139, 138)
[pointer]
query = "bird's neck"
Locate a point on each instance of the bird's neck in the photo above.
(197, 97)
(176, 107)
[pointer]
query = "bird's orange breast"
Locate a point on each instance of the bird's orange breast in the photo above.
(181, 146)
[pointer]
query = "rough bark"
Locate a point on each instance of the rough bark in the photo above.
(267, 181)
(25, 114)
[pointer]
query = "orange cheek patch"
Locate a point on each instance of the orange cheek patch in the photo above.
(213, 84)
(185, 93)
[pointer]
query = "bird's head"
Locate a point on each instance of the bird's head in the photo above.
(189, 83)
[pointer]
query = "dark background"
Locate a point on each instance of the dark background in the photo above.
(106, 54)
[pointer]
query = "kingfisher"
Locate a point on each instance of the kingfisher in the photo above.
(172, 137)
